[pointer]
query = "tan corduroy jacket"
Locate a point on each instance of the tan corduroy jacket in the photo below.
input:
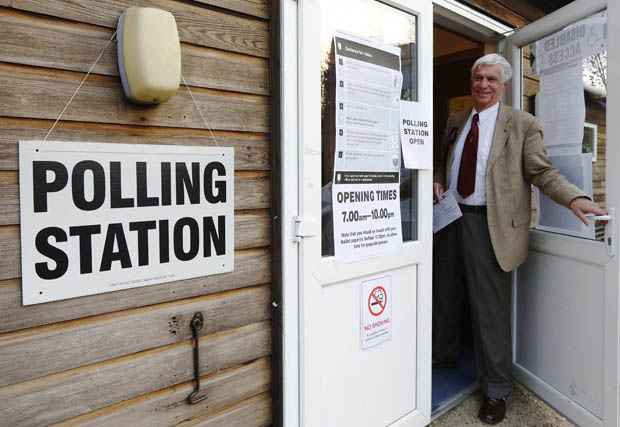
(517, 159)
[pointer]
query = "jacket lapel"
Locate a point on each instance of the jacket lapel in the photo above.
(459, 123)
(500, 135)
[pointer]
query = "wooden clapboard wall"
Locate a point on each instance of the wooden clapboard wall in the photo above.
(125, 358)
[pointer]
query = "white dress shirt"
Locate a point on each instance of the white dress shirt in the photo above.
(486, 127)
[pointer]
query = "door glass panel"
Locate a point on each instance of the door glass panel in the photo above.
(563, 73)
(373, 20)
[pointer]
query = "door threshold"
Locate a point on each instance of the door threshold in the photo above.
(454, 401)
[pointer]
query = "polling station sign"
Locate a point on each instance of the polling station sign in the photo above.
(103, 217)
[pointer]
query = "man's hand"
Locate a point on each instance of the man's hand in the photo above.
(437, 191)
(582, 206)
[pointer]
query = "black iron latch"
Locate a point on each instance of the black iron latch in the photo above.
(196, 325)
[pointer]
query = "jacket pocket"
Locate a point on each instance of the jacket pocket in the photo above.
(521, 219)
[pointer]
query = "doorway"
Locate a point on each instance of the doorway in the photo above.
(454, 54)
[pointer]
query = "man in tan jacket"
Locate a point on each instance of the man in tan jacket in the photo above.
(490, 156)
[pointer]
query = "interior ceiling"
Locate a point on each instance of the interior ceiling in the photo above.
(549, 6)
(546, 6)
(446, 42)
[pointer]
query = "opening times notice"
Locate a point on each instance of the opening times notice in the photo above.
(367, 216)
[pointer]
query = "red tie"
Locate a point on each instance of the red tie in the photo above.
(469, 158)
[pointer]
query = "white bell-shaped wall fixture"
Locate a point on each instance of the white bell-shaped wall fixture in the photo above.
(149, 54)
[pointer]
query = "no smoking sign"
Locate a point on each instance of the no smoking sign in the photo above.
(377, 300)
(376, 311)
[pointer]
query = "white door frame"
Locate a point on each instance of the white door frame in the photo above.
(329, 270)
(289, 196)
(296, 99)
(291, 115)
(551, 23)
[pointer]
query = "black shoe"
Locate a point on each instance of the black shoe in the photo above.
(492, 411)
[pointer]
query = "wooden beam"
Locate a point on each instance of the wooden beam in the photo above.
(523, 8)
(251, 268)
(42, 93)
(65, 395)
(259, 8)
(49, 42)
(169, 407)
(251, 150)
(68, 345)
(499, 12)
(254, 412)
(197, 25)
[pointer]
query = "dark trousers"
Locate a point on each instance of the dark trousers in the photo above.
(465, 270)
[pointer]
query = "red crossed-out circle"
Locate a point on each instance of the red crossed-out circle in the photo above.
(377, 300)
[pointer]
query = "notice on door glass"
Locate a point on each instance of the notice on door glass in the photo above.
(376, 311)
(416, 135)
(365, 195)
(366, 214)
(368, 86)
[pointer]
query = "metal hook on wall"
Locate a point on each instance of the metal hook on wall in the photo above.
(196, 325)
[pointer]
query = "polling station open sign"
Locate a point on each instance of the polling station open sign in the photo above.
(103, 217)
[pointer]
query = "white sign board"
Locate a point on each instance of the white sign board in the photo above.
(103, 217)
(416, 135)
(376, 311)
(366, 190)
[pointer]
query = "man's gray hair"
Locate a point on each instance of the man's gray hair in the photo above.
(495, 59)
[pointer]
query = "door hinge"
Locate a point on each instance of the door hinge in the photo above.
(305, 227)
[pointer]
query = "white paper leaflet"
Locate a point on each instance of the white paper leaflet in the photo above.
(416, 135)
(445, 211)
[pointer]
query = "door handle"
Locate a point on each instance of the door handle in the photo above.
(599, 217)
(611, 229)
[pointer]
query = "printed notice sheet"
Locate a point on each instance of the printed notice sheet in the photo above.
(559, 61)
(368, 86)
(578, 41)
(561, 108)
(366, 191)
(416, 135)
(445, 211)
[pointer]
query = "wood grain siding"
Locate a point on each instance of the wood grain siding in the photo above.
(125, 357)
(198, 25)
(251, 269)
(258, 8)
(48, 42)
(42, 93)
(254, 412)
(57, 348)
(251, 150)
(61, 396)
(166, 407)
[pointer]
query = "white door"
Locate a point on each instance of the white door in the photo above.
(340, 382)
(565, 325)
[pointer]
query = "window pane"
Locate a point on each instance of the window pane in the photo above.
(547, 91)
(377, 21)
